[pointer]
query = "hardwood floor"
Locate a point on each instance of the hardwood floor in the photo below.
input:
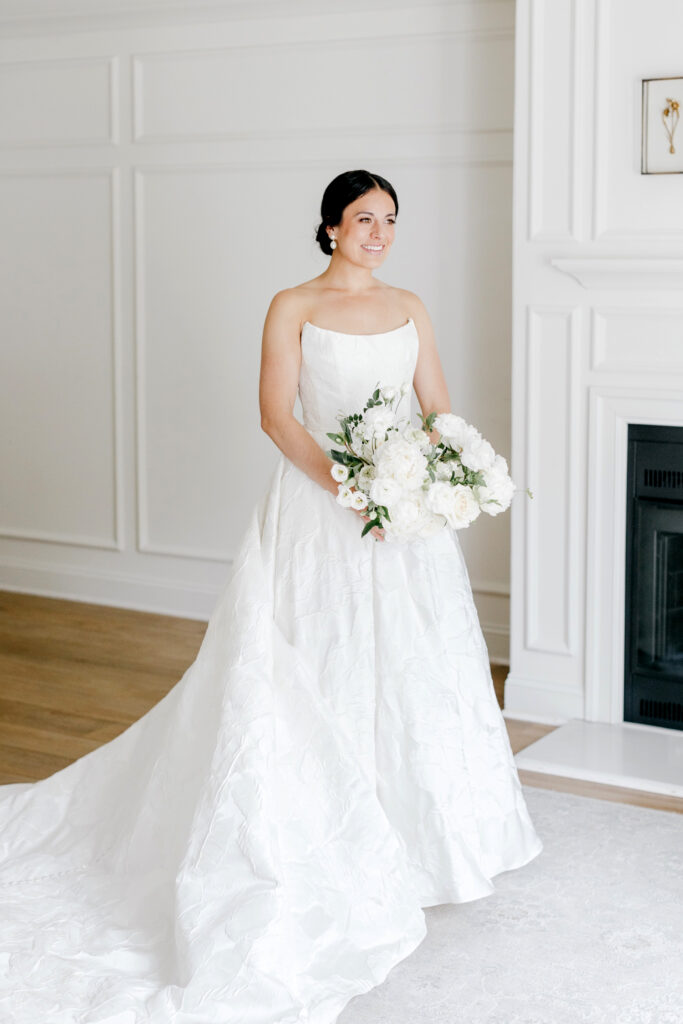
(74, 675)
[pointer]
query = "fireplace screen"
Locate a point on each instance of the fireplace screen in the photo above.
(653, 684)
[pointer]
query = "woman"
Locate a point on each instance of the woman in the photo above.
(259, 847)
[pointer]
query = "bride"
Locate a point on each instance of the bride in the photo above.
(259, 847)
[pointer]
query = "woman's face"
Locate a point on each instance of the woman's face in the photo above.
(367, 229)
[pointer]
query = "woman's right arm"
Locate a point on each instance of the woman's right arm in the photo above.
(279, 381)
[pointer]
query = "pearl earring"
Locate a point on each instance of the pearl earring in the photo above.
(333, 243)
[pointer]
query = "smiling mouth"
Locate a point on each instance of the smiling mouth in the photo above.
(373, 248)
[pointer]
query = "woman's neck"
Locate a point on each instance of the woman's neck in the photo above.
(347, 277)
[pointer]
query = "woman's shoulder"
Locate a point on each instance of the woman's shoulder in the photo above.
(407, 301)
(294, 301)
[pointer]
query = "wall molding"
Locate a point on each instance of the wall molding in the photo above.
(536, 231)
(183, 12)
(116, 541)
(465, 34)
(650, 364)
(532, 556)
(111, 137)
(643, 273)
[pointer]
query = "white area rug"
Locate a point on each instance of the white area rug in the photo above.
(590, 932)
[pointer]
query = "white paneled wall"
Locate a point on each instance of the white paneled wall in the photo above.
(159, 182)
(597, 335)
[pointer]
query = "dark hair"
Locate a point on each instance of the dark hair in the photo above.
(341, 191)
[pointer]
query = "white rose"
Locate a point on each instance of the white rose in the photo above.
(339, 472)
(385, 491)
(477, 453)
(401, 461)
(344, 495)
(465, 507)
(454, 501)
(443, 470)
(376, 422)
(359, 501)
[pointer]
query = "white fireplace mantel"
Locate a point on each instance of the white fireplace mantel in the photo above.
(597, 345)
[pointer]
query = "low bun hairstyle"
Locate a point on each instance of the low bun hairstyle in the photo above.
(342, 190)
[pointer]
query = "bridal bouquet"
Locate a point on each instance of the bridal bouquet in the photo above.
(408, 486)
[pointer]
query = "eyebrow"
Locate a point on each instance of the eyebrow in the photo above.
(371, 214)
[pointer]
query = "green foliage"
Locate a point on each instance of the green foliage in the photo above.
(369, 525)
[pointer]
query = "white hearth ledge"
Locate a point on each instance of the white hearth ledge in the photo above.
(643, 757)
(633, 273)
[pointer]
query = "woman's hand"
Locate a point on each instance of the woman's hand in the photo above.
(376, 531)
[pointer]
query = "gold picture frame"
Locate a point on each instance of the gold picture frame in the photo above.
(662, 132)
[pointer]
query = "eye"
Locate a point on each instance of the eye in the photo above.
(365, 218)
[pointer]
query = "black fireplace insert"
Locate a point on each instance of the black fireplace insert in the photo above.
(653, 662)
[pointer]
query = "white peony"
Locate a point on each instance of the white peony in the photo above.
(454, 429)
(376, 422)
(477, 453)
(344, 495)
(499, 467)
(385, 491)
(416, 435)
(401, 461)
(405, 517)
(339, 472)
(454, 501)
(411, 519)
(495, 496)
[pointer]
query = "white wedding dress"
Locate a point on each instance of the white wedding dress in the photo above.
(258, 847)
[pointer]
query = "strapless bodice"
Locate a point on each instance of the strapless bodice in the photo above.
(340, 371)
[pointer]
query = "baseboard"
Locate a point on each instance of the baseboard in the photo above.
(118, 590)
(536, 701)
(497, 642)
(175, 597)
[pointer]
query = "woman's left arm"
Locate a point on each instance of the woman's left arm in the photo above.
(429, 381)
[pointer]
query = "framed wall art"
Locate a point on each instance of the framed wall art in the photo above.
(662, 142)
